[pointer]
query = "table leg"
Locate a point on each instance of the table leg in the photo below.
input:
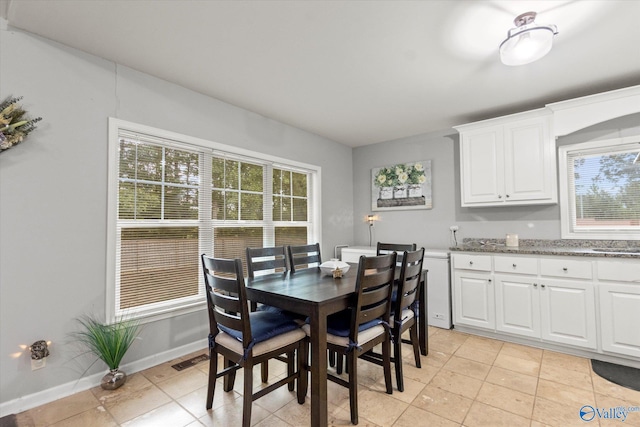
(318, 369)
(422, 316)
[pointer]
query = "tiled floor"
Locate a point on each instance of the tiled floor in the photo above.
(464, 381)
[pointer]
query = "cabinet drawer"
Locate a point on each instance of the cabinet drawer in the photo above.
(472, 262)
(572, 268)
(519, 265)
(621, 271)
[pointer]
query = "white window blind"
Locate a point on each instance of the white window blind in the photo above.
(176, 199)
(603, 181)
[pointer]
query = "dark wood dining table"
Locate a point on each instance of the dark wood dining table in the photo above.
(314, 294)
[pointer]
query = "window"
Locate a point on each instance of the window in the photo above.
(600, 189)
(172, 197)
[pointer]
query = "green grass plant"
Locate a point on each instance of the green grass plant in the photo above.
(109, 342)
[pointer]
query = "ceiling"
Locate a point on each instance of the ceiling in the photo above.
(357, 72)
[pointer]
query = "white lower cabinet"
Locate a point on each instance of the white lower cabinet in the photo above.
(474, 300)
(619, 297)
(588, 304)
(568, 312)
(517, 305)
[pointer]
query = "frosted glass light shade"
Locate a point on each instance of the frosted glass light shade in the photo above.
(527, 42)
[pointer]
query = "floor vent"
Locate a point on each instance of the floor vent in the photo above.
(190, 362)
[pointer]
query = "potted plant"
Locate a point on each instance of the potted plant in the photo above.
(109, 343)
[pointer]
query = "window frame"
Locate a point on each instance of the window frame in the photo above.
(177, 307)
(567, 192)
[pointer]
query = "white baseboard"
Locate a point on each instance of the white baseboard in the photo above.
(24, 403)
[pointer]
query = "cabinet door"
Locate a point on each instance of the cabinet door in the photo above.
(530, 168)
(517, 305)
(482, 168)
(620, 318)
(474, 300)
(568, 312)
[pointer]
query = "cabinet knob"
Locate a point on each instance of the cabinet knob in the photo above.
(535, 285)
(489, 280)
(499, 196)
(470, 262)
(542, 285)
(565, 269)
(514, 266)
(508, 195)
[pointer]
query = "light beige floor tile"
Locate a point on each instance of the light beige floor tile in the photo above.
(607, 388)
(161, 372)
(293, 413)
(481, 415)
(513, 380)
(342, 417)
(411, 389)
(273, 421)
(196, 401)
(566, 361)
(456, 383)
(189, 380)
(380, 407)
(566, 376)
(467, 367)
(413, 417)
(278, 398)
(559, 414)
(424, 374)
(446, 342)
(525, 366)
(136, 403)
(479, 355)
(630, 418)
(169, 415)
(451, 406)
(558, 392)
(484, 344)
(522, 351)
(96, 417)
(134, 382)
(231, 415)
(63, 408)
(504, 398)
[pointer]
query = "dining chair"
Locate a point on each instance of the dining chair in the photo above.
(358, 329)
(399, 248)
(245, 339)
(304, 256)
(404, 312)
(262, 261)
(266, 260)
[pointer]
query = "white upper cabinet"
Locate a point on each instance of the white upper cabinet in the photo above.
(508, 161)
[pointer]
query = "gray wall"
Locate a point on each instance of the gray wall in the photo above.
(430, 228)
(53, 190)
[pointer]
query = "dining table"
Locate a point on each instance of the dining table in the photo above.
(312, 293)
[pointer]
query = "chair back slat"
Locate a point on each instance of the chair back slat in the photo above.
(409, 282)
(304, 256)
(266, 260)
(373, 290)
(226, 296)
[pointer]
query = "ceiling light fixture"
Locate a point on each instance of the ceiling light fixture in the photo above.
(528, 41)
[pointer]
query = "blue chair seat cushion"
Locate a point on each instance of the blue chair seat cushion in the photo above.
(264, 325)
(339, 323)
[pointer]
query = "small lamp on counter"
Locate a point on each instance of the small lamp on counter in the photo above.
(370, 219)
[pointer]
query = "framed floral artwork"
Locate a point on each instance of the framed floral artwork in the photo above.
(401, 186)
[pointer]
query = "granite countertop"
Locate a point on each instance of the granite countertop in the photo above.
(588, 248)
